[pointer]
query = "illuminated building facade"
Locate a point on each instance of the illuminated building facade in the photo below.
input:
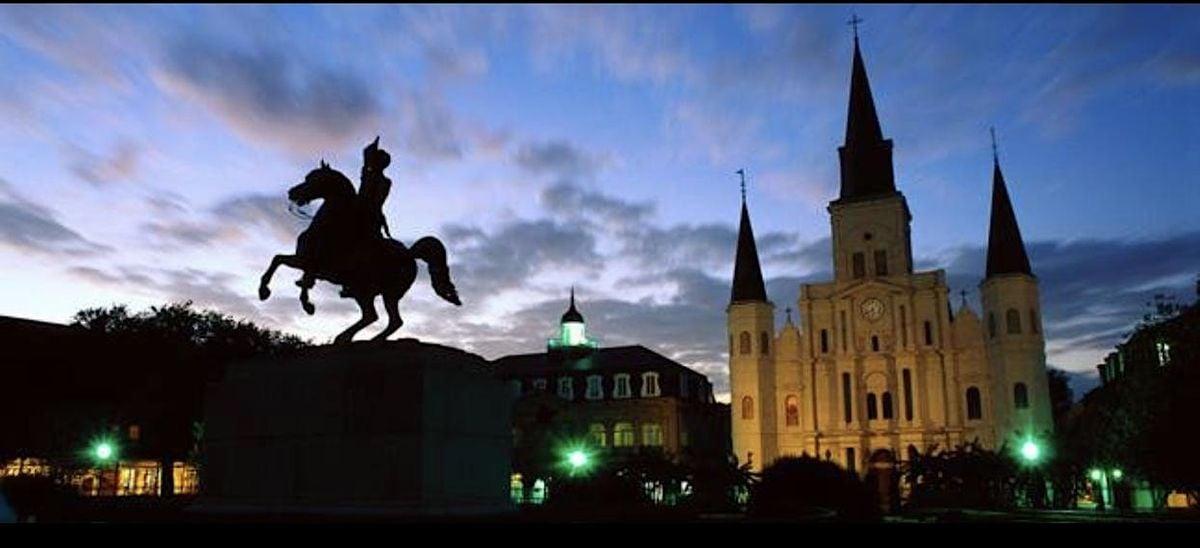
(605, 404)
(880, 365)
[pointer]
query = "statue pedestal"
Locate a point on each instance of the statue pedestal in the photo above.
(393, 428)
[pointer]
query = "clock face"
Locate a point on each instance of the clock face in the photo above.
(872, 309)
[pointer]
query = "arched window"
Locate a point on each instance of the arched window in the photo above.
(1033, 321)
(791, 410)
(1013, 319)
(650, 384)
(928, 333)
(881, 263)
(860, 265)
(744, 343)
(885, 401)
(847, 404)
(1020, 396)
(747, 408)
(874, 343)
(974, 404)
(991, 325)
(598, 434)
(872, 408)
(623, 434)
(652, 434)
(824, 341)
(764, 342)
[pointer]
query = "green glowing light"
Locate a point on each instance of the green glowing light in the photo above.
(1116, 473)
(1095, 474)
(578, 459)
(1030, 451)
(104, 450)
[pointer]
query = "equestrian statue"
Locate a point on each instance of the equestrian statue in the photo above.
(348, 243)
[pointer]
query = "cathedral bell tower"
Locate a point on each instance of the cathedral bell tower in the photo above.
(751, 325)
(1012, 327)
(870, 218)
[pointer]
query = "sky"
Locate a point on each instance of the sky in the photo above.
(145, 153)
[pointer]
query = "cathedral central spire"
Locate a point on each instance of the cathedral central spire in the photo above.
(866, 156)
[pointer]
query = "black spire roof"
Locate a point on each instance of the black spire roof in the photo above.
(747, 274)
(866, 156)
(1006, 249)
(572, 315)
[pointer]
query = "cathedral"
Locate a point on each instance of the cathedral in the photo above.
(881, 366)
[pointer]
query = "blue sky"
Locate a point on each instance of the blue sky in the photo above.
(145, 150)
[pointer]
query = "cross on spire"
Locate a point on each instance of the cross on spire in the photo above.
(742, 172)
(853, 22)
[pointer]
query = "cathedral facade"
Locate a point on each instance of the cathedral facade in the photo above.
(881, 366)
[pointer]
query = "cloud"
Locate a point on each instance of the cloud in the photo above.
(259, 210)
(557, 158)
(572, 202)
(27, 226)
(267, 95)
(121, 164)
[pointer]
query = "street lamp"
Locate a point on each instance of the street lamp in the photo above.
(1030, 451)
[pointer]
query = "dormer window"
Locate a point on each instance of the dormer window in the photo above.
(594, 389)
(539, 385)
(650, 385)
(621, 386)
(566, 389)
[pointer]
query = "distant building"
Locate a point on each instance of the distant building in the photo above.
(879, 365)
(56, 406)
(608, 403)
(1152, 347)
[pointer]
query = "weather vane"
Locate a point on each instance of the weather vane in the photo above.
(853, 22)
(742, 172)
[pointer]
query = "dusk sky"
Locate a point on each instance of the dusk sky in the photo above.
(145, 152)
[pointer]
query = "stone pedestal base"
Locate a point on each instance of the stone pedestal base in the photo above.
(400, 427)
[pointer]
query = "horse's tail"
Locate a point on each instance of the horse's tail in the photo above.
(431, 250)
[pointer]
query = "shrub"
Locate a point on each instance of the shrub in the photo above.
(800, 487)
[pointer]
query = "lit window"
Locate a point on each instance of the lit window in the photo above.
(539, 385)
(652, 434)
(623, 434)
(566, 389)
(135, 432)
(621, 386)
(1164, 352)
(594, 389)
(598, 434)
(649, 385)
(791, 411)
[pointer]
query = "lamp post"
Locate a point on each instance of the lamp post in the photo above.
(104, 451)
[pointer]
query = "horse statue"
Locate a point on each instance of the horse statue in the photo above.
(332, 249)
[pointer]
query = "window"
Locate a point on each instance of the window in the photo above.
(860, 266)
(764, 341)
(652, 434)
(744, 343)
(844, 330)
(847, 405)
(904, 325)
(851, 465)
(135, 432)
(515, 386)
(649, 385)
(991, 325)
(791, 411)
(566, 389)
(908, 400)
(598, 434)
(1033, 321)
(928, 333)
(886, 402)
(1013, 319)
(974, 404)
(683, 385)
(747, 408)
(874, 343)
(621, 386)
(1163, 350)
(539, 385)
(1020, 396)
(595, 389)
(881, 263)
(623, 434)
(824, 341)
(872, 408)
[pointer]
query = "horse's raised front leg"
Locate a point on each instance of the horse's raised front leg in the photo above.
(367, 305)
(391, 303)
(263, 290)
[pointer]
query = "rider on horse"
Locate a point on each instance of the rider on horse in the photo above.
(373, 191)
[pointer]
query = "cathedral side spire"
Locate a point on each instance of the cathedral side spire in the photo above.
(747, 274)
(1006, 250)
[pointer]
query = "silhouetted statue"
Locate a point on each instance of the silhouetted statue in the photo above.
(344, 245)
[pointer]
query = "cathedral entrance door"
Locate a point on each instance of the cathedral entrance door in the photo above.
(884, 480)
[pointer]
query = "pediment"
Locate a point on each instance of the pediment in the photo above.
(873, 286)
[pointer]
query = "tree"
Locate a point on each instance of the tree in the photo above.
(161, 360)
(968, 476)
(800, 487)
(1061, 397)
(718, 484)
